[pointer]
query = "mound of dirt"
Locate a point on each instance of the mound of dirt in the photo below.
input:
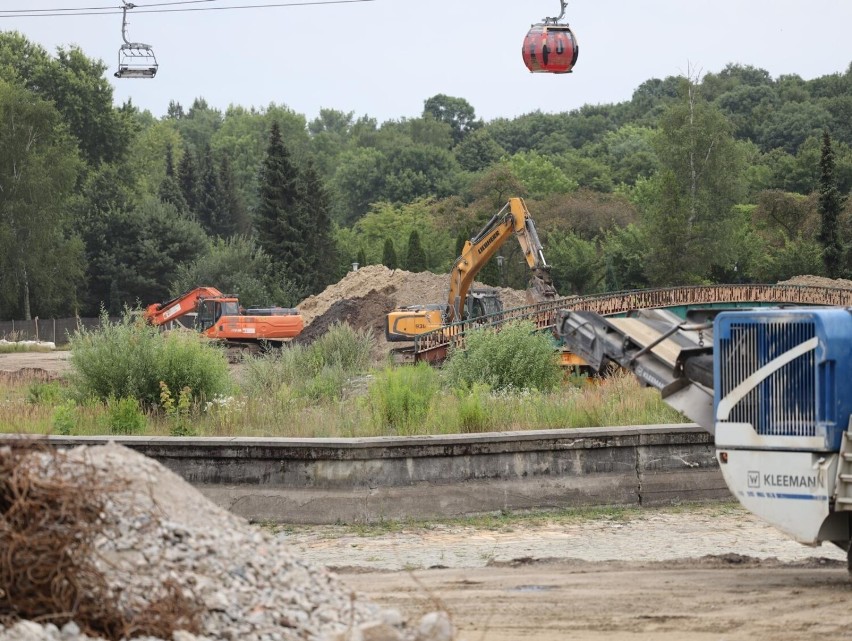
(818, 281)
(363, 298)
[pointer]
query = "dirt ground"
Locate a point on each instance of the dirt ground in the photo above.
(702, 573)
(34, 364)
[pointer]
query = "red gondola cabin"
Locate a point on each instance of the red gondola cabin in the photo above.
(550, 48)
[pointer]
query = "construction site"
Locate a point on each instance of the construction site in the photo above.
(639, 535)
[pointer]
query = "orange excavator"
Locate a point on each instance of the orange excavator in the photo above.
(222, 318)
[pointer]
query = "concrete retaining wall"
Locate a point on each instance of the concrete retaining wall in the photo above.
(370, 479)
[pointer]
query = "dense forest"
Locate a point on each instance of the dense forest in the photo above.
(731, 177)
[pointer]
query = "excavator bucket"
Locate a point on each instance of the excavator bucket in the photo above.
(540, 286)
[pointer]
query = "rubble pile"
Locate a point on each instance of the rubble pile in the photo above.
(363, 298)
(194, 570)
(818, 281)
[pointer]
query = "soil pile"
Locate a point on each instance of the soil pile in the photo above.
(818, 281)
(363, 298)
(162, 543)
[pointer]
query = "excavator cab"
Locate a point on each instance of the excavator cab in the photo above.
(211, 310)
(483, 302)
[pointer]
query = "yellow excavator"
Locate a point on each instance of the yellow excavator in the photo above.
(463, 303)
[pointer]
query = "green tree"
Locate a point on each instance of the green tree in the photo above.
(456, 112)
(188, 182)
(170, 191)
(243, 137)
(281, 229)
(576, 264)
(830, 205)
(358, 181)
(41, 262)
(691, 220)
(320, 249)
(624, 254)
(237, 265)
(478, 151)
(147, 244)
(76, 85)
(389, 258)
(233, 205)
(415, 258)
(212, 211)
(198, 126)
(150, 145)
(539, 175)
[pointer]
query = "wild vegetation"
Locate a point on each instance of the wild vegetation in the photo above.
(328, 389)
(733, 176)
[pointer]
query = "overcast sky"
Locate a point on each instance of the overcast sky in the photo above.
(384, 58)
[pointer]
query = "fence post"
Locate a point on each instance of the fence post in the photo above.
(54, 331)
(35, 321)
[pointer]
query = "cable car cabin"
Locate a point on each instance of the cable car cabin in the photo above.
(550, 48)
(136, 60)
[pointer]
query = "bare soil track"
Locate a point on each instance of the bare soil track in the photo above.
(698, 573)
(697, 600)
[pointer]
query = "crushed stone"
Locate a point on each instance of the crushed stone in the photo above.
(252, 585)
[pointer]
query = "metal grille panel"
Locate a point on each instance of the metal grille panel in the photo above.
(784, 403)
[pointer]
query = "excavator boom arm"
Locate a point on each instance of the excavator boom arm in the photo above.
(162, 313)
(513, 219)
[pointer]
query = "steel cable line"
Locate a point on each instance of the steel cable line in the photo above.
(108, 8)
(105, 11)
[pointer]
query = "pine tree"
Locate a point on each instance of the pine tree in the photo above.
(233, 203)
(314, 212)
(416, 257)
(389, 258)
(830, 204)
(212, 210)
(170, 191)
(188, 182)
(280, 233)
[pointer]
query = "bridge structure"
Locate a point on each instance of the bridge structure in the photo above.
(433, 347)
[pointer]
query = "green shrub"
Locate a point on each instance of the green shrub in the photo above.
(269, 372)
(128, 359)
(473, 414)
(65, 418)
(40, 393)
(316, 372)
(344, 347)
(400, 398)
(327, 385)
(517, 357)
(124, 416)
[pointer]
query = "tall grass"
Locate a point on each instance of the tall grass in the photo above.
(129, 359)
(400, 398)
(322, 390)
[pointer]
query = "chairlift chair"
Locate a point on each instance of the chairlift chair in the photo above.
(135, 59)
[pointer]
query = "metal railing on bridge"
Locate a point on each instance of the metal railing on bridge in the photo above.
(434, 346)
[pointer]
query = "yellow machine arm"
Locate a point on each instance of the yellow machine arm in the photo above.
(513, 219)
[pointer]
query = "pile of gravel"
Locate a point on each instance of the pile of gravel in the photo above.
(249, 584)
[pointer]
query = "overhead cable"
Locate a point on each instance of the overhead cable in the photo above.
(105, 11)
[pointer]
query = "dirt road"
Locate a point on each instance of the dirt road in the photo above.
(706, 573)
